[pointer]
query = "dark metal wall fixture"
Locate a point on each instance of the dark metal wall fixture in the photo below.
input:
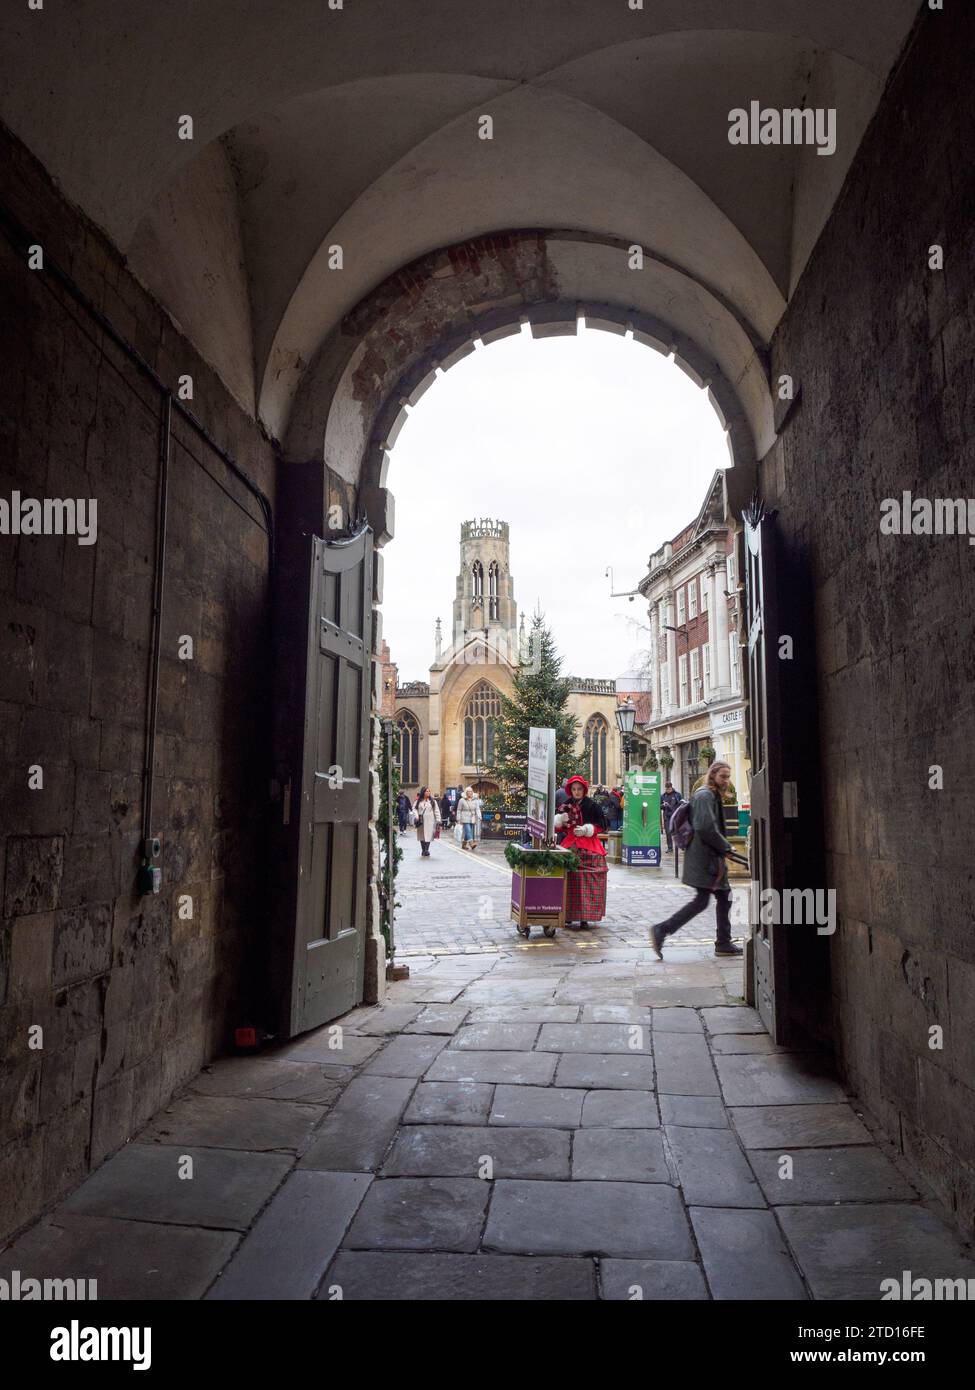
(20, 240)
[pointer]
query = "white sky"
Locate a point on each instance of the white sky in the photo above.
(595, 449)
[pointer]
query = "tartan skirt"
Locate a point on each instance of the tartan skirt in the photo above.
(585, 894)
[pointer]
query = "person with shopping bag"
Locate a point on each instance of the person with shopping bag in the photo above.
(577, 824)
(426, 818)
(469, 814)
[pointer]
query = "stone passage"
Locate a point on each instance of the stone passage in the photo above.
(566, 1126)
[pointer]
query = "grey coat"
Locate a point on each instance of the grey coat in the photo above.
(704, 865)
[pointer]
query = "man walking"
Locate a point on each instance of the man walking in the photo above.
(704, 866)
(669, 802)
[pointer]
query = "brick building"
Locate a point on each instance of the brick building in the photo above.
(696, 694)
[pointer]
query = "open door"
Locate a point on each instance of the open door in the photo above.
(323, 781)
(790, 957)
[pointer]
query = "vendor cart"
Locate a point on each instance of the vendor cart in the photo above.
(538, 881)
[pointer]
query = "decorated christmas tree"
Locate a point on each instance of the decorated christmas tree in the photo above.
(540, 701)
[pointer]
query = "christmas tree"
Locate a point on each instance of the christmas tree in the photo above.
(540, 701)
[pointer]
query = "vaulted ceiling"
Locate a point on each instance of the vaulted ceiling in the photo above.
(315, 127)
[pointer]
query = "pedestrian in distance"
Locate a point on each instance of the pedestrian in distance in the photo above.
(616, 809)
(427, 819)
(705, 868)
(403, 809)
(469, 815)
(446, 810)
(669, 802)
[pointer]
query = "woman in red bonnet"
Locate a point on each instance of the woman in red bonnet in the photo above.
(577, 823)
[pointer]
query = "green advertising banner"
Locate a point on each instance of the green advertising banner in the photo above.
(641, 818)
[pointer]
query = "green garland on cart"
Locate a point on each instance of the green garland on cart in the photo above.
(519, 858)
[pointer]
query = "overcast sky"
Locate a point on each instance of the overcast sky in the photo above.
(595, 450)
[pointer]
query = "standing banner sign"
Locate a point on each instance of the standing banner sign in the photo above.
(541, 782)
(641, 818)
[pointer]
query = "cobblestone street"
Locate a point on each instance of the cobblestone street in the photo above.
(457, 901)
(557, 1120)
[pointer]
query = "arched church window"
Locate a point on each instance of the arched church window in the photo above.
(493, 574)
(477, 581)
(596, 734)
(482, 708)
(409, 749)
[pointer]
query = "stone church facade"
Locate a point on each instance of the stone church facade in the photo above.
(446, 723)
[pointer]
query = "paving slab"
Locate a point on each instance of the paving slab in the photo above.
(457, 1278)
(711, 1168)
(513, 1068)
(406, 1055)
(608, 1071)
(450, 1103)
(421, 1214)
(724, 1043)
(733, 1019)
(385, 1018)
(331, 1044)
(523, 1013)
(594, 1038)
(653, 1280)
(449, 1151)
(798, 1126)
(129, 1259)
(290, 1247)
(430, 993)
(496, 1037)
(548, 1106)
(271, 1077)
(358, 1131)
(620, 1155)
(619, 1110)
(142, 1182)
(663, 994)
(684, 1066)
(438, 1018)
(615, 1013)
(861, 1174)
(588, 1218)
(795, 1078)
(502, 991)
(676, 1021)
(846, 1251)
(233, 1122)
(700, 1112)
(745, 1256)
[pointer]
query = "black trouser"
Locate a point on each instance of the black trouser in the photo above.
(697, 904)
(425, 847)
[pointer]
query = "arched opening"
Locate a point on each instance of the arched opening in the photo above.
(481, 709)
(409, 749)
(597, 733)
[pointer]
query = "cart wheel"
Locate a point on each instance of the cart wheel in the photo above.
(549, 931)
(524, 931)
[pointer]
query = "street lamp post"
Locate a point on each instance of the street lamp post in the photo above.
(625, 719)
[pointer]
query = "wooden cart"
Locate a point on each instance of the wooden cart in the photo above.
(538, 894)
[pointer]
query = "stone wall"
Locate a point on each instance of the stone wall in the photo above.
(132, 997)
(883, 348)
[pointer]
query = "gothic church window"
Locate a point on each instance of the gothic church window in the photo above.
(493, 589)
(477, 583)
(595, 736)
(482, 708)
(409, 749)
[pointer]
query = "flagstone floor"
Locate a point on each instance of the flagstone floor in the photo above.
(538, 1121)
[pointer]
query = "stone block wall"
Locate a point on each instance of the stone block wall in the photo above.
(132, 996)
(884, 350)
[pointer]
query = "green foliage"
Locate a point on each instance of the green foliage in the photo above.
(706, 754)
(539, 701)
(651, 764)
(666, 759)
(387, 811)
(520, 858)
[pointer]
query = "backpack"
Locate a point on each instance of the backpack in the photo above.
(681, 828)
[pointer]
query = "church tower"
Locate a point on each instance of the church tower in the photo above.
(485, 601)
